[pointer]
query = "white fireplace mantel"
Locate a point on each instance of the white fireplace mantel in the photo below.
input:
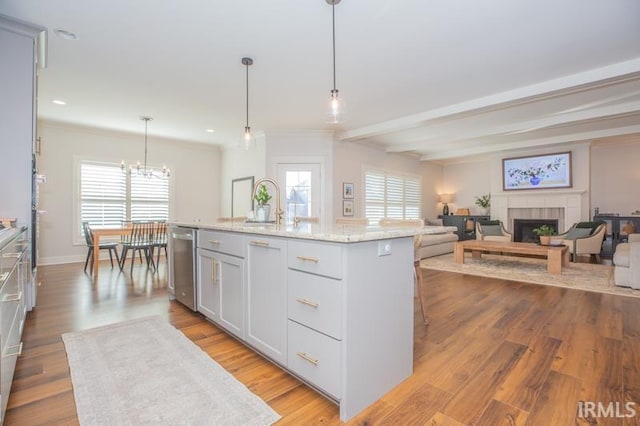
(572, 201)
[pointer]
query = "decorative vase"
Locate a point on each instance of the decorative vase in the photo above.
(262, 213)
(534, 180)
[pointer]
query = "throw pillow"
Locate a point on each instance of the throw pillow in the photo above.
(492, 229)
(577, 233)
(434, 222)
(489, 222)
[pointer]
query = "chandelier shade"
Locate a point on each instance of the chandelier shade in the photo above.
(142, 170)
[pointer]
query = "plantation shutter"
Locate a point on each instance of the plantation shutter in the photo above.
(103, 195)
(391, 196)
(149, 198)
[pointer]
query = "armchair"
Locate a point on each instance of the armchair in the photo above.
(584, 238)
(492, 230)
(626, 259)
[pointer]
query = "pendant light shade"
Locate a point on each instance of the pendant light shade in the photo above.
(337, 109)
(247, 141)
(142, 170)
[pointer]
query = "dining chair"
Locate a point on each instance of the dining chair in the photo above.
(159, 240)
(139, 240)
(88, 237)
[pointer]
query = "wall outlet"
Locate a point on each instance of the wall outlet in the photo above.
(384, 248)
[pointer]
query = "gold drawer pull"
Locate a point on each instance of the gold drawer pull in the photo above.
(307, 358)
(12, 255)
(12, 297)
(309, 259)
(259, 243)
(4, 276)
(308, 303)
(214, 241)
(18, 353)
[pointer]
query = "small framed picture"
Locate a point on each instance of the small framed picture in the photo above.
(347, 190)
(347, 207)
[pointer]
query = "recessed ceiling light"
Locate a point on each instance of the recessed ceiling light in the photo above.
(67, 35)
(59, 102)
(210, 130)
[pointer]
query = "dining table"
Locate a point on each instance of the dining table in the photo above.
(105, 232)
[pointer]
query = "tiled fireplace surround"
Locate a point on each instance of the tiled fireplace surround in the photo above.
(565, 205)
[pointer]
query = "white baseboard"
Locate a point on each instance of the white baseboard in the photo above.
(59, 260)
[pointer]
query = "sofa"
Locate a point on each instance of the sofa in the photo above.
(437, 244)
(626, 261)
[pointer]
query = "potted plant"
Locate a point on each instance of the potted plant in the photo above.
(545, 232)
(484, 201)
(262, 197)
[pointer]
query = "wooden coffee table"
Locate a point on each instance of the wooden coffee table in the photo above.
(557, 256)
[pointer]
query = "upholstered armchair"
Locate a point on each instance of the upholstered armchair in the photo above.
(492, 230)
(584, 238)
(627, 263)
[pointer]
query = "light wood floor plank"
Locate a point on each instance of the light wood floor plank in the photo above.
(461, 360)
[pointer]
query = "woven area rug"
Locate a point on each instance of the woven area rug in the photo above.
(579, 276)
(145, 372)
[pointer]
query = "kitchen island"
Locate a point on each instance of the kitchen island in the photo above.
(332, 305)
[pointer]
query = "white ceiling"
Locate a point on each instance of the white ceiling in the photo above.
(443, 79)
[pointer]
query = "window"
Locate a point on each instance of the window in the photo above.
(392, 196)
(109, 197)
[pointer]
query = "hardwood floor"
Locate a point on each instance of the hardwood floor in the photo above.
(495, 352)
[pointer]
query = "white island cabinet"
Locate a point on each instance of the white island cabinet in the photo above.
(332, 306)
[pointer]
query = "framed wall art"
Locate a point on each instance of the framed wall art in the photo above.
(537, 172)
(347, 190)
(347, 208)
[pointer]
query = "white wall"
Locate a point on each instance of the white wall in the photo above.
(350, 160)
(239, 163)
(432, 185)
(615, 182)
(471, 179)
(195, 179)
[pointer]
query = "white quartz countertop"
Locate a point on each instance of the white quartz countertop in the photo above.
(322, 232)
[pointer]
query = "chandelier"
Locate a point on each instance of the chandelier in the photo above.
(142, 170)
(337, 106)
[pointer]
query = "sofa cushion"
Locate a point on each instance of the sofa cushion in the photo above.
(433, 239)
(621, 256)
(577, 233)
(433, 222)
(592, 226)
(495, 230)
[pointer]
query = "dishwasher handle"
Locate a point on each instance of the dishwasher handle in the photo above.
(182, 236)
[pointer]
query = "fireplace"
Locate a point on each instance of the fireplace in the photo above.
(523, 229)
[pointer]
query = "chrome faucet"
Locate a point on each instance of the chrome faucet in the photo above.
(278, 212)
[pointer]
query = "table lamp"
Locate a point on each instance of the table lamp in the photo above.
(446, 198)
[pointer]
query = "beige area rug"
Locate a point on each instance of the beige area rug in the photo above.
(579, 276)
(145, 372)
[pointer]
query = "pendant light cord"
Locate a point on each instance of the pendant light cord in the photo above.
(247, 67)
(333, 12)
(146, 122)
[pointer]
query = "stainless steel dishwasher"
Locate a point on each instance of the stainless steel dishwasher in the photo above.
(182, 275)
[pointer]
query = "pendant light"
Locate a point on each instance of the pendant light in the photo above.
(142, 170)
(337, 106)
(247, 139)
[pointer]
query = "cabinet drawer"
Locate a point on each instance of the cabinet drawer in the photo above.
(10, 352)
(315, 301)
(317, 258)
(223, 242)
(314, 357)
(10, 297)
